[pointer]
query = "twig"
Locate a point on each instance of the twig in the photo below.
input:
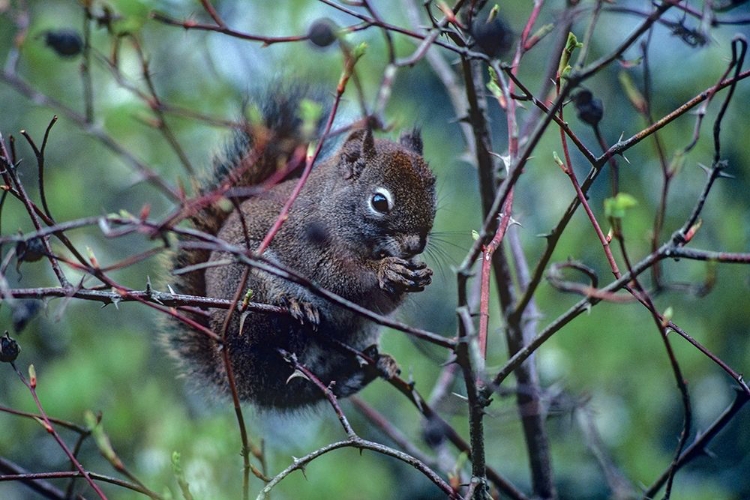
(24, 88)
(698, 447)
(220, 27)
(47, 423)
(10, 166)
(361, 444)
(502, 484)
(39, 153)
(352, 441)
(14, 472)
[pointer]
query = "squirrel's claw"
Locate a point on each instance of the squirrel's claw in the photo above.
(399, 275)
(302, 311)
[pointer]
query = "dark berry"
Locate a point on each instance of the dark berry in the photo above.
(23, 312)
(494, 38)
(66, 43)
(8, 349)
(322, 32)
(433, 431)
(30, 251)
(589, 108)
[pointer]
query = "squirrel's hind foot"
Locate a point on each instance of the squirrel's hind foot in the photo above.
(385, 365)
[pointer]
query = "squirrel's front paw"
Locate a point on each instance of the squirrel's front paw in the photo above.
(399, 275)
(302, 311)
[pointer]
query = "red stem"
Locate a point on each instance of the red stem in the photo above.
(50, 429)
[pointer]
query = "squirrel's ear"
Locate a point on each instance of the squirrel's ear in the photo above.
(412, 140)
(360, 145)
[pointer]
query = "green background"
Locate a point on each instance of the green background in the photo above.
(609, 365)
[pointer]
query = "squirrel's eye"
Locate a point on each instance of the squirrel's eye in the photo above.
(380, 202)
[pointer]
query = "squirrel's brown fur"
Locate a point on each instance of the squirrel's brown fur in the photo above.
(360, 220)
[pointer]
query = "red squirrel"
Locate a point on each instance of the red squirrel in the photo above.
(356, 229)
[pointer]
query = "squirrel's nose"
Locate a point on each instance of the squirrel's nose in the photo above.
(414, 244)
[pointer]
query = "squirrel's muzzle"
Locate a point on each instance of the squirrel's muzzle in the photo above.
(413, 244)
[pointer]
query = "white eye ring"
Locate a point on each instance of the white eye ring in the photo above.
(381, 202)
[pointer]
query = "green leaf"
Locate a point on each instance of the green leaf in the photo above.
(101, 439)
(572, 44)
(542, 32)
(359, 50)
(668, 314)
(493, 13)
(180, 476)
(494, 89)
(557, 159)
(615, 208)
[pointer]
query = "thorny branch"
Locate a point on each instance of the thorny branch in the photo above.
(516, 291)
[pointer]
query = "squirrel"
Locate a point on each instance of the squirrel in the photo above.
(356, 229)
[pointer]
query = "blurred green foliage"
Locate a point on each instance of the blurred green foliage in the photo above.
(609, 365)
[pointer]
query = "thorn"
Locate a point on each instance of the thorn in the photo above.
(459, 396)
(514, 222)
(302, 468)
(720, 166)
(243, 316)
(505, 159)
(297, 374)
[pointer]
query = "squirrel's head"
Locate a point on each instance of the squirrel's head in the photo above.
(384, 195)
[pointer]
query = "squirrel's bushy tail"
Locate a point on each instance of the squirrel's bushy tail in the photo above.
(270, 142)
(274, 135)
